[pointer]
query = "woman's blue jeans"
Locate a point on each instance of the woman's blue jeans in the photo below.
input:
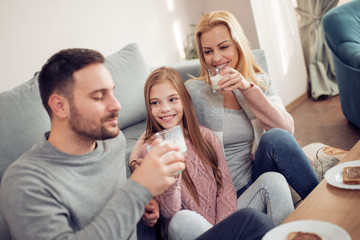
(278, 151)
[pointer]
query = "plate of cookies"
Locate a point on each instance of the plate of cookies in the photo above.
(307, 229)
(345, 175)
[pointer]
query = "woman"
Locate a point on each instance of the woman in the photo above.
(246, 114)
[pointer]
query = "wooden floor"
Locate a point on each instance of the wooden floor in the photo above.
(323, 121)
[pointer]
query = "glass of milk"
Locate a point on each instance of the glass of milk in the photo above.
(175, 136)
(215, 76)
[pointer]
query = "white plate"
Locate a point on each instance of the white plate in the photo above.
(334, 176)
(327, 231)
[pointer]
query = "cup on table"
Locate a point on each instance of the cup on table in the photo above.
(175, 136)
(215, 76)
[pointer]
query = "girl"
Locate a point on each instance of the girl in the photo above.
(205, 187)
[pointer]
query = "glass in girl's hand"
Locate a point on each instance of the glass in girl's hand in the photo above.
(175, 136)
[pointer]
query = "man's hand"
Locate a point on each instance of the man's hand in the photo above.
(151, 214)
(155, 171)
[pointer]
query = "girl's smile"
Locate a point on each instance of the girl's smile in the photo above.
(166, 106)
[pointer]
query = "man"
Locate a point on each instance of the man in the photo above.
(72, 185)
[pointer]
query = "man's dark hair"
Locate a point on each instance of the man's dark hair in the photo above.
(57, 73)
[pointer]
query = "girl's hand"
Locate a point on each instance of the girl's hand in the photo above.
(157, 168)
(151, 214)
(233, 79)
(135, 163)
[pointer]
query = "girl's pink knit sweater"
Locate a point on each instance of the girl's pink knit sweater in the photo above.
(212, 207)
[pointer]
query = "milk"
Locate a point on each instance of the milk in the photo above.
(173, 136)
(177, 141)
(214, 82)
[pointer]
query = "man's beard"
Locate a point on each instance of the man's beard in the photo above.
(85, 127)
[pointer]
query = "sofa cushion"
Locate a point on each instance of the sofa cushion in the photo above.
(132, 135)
(187, 69)
(23, 121)
(129, 72)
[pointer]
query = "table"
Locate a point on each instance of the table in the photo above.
(332, 204)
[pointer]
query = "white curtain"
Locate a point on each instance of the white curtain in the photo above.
(318, 59)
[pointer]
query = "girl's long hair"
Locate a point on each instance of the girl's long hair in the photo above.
(189, 122)
(246, 64)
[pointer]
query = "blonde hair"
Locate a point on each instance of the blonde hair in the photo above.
(190, 125)
(246, 64)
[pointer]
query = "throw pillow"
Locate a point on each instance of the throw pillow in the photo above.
(23, 121)
(129, 72)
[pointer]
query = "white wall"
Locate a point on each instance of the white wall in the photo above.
(31, 31)
(278, 34)
(277, 28)
(241, 9)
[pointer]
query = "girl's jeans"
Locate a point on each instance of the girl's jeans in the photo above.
(279, 161)
(246, 223)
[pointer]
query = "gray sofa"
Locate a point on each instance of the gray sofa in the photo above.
(23, 120)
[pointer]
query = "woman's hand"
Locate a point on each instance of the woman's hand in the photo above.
(233, 79)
